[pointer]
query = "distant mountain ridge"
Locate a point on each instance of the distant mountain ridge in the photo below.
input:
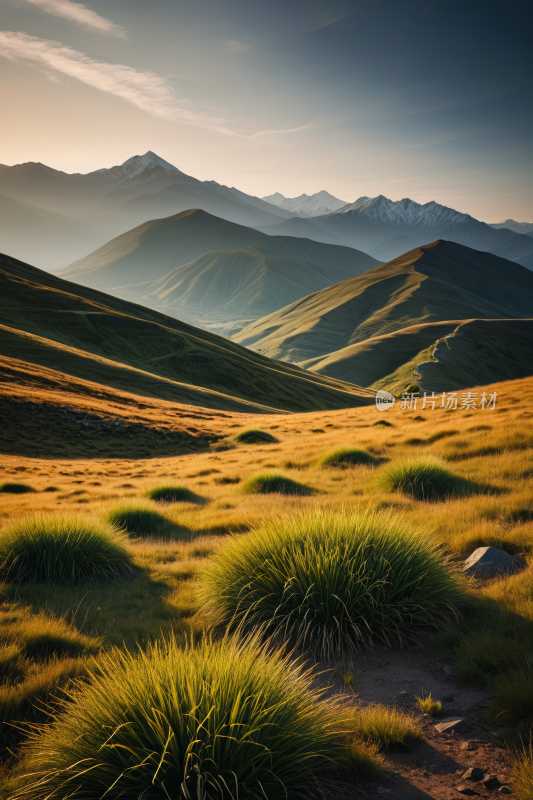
(513, 225)
(307, 205)
(386, 228)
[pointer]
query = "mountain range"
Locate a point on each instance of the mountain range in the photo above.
(513, 225)
(53, 218)
(385, 229)
(199, 267)
(373, 330)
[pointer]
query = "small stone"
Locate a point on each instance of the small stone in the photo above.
(382, 790)
(487, 561)
(473, 774)
(452, 725)
(504, 790)
(491, 782)
(468, 746)
(463, 788)
(449, 699)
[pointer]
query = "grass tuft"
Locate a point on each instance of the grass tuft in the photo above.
(272, 482)
(428, 705)
(522, 776)
(385, 727)
(332, 581)
(171, 494)
(61, 550)
(222, 719)
(425, 478)
(346, 457)
(140, 519)
(364, 758)
(255, 437)
(16, 488)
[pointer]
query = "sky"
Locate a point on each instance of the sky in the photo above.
(416, 99)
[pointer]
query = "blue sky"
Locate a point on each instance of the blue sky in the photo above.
(416, 99)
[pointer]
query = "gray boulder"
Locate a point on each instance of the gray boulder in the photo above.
(452, 725)
(486, 562)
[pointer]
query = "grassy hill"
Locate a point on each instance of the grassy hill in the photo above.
(478, 352)
(339, 330)
(86, 334)
(242, 273)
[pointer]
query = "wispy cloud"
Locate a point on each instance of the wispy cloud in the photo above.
(78, 13)
(237, 47)
(286, 130)
(146, 90)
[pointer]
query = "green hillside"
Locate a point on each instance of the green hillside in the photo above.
(224, 285)
(439, 282)
(87, 334)
(153, 250)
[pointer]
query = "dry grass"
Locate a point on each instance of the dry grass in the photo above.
(492, 449)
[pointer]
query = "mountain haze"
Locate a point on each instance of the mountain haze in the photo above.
(197, 266)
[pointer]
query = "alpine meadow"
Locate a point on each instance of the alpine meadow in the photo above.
(266, 401)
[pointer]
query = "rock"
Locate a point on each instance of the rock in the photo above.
(468, 746)
(488, 561)
(452, 725)
(382, 790)
(491, 782)
(505, 790)
(503, 733)
(448, 699)
(465, 789)
(473, 774)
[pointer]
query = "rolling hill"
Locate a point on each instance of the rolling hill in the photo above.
(198, 266)
(86, 334)
(368, 328)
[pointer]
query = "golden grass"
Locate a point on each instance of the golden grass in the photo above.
(161, 595)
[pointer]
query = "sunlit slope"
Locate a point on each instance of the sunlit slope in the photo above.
(438, 282)
(384, 362)
(85, 333)
(244, 283)
(479, 352)
(156, 248)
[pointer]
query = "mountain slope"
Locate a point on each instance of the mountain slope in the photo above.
(87, 334)
(300, 227)
(307, 205)
(439, 282)
(373, 223)
(479, 352)
(197, 265)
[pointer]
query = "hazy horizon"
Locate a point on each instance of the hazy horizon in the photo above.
(291, 97)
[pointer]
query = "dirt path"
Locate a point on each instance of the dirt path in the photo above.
(433, 766)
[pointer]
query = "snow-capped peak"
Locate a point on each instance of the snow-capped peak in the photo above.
(149, 160)
(403, 212)
(306, 205)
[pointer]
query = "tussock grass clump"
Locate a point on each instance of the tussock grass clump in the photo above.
(425, 478)
(346, 457)
(139, 519)
(272, 482)
(61, 550)
(171, 494)
(255, 437)
(522, 776)
(201, 720)
(428, 705)
(383, 726)
(16, 488)
(382, 423)
(514, 695)
(364, 758)
(332, 581)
